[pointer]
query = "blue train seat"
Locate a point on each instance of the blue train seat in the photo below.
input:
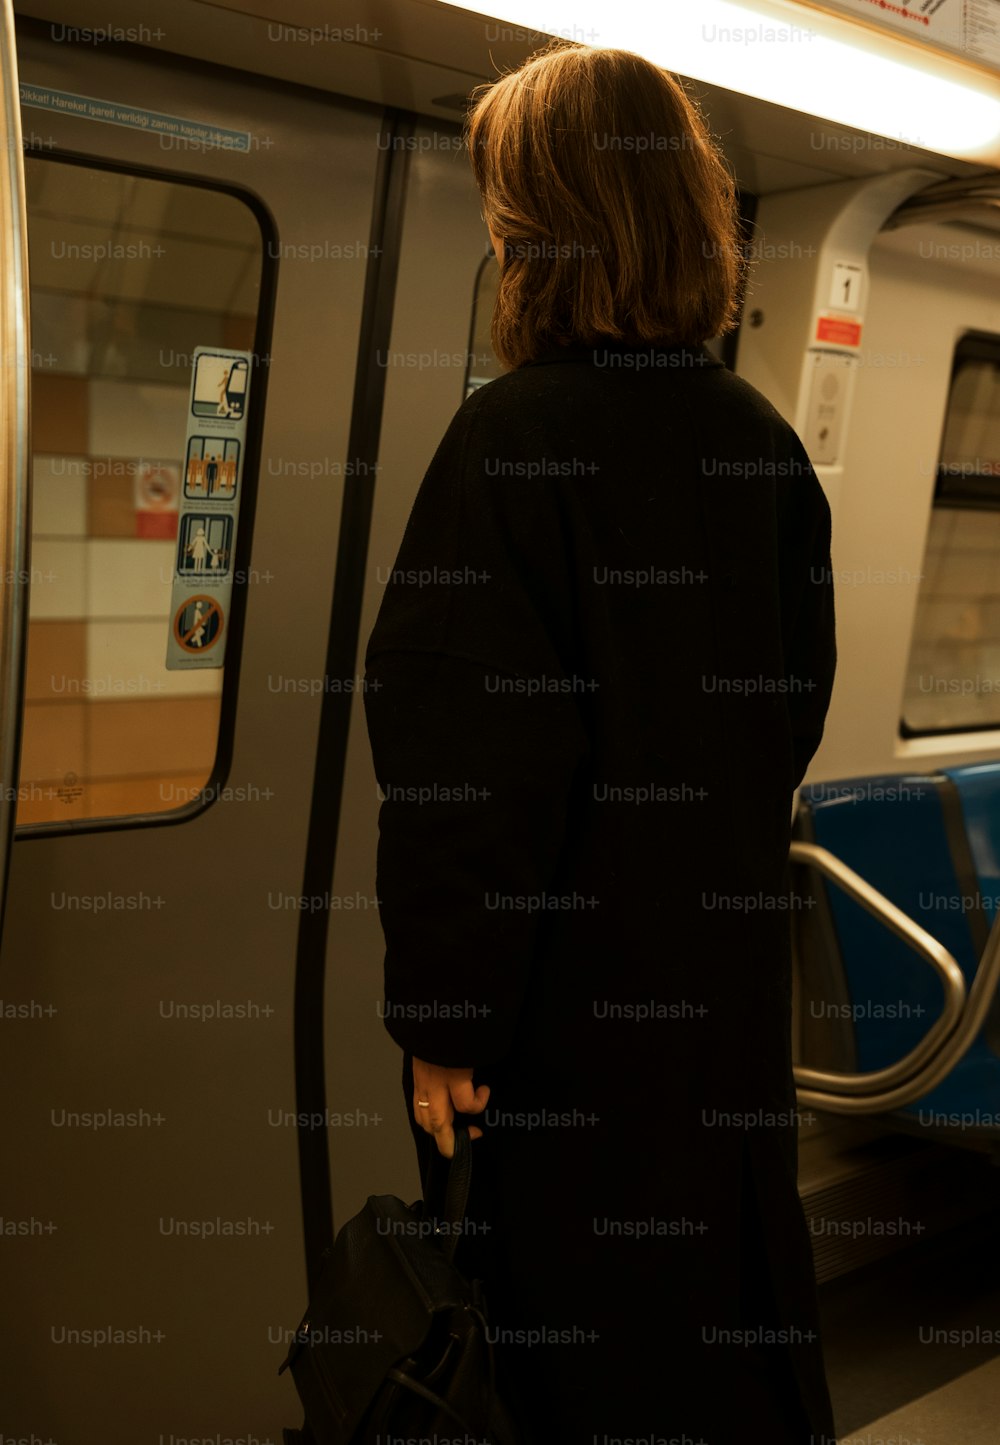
(931, 844)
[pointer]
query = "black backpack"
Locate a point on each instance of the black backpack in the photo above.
(394, 1341)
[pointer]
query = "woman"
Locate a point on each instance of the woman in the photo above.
(605, 709)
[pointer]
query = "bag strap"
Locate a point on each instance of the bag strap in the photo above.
(457, 1180)
(434, 1399)
(497, 1414)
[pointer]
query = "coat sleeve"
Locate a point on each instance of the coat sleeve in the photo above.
(474, 719)
(807, 607)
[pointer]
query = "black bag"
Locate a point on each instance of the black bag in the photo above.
(394, 1340)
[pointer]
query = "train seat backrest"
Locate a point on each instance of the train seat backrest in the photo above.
(978, 788)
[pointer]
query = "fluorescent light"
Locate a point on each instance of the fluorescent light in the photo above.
(797, 57)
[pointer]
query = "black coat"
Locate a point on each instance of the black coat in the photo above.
(599, 671)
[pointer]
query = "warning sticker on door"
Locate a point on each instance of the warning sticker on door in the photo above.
(208, 508)
(220, 384)
(198, 624)
(212, 464)
(206, 543)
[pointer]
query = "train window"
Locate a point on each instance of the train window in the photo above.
(129, 274)
(953, 678)
(481, 365)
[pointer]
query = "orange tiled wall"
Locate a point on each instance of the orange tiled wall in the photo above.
(107, 730)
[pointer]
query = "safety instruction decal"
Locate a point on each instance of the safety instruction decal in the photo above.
(198, 624)
(135, 117)
(209, 508)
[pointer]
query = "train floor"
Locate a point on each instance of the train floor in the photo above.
(912, 1342)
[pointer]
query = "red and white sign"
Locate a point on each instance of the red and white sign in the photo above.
(839, 330)
(156, 493)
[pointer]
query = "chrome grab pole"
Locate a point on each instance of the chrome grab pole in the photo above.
(946, 1041)
(904, 927)
(15, 380)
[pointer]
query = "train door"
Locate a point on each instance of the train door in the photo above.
(152, 1236)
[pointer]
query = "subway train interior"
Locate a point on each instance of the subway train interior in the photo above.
(246, 285)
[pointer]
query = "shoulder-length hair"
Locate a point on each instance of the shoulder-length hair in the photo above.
(617, 210)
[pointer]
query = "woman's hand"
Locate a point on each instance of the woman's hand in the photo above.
(446, 1090)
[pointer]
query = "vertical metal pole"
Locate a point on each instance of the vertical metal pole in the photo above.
(15, 382)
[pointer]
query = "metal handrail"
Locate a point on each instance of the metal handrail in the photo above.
(15, 380)
(947, 200)
(869, 1084)
(984, 986)
(971, 210)
(973, 1018)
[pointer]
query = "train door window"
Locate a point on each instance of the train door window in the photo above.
(481, 364)
(953, 677)
(129, 274)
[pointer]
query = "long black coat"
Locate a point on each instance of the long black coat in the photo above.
(599, 671)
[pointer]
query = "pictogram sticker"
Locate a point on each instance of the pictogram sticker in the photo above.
(220, 385)
(198, 623)
(212, 468)
(205, 544)
(210, 484)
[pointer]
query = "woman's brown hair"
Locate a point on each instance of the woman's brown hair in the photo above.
(616, 207)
